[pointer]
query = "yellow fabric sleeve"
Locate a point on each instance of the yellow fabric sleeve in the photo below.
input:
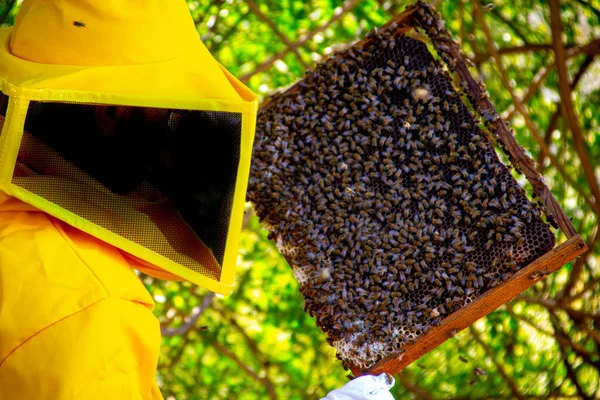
(106, 351)
(75, 321)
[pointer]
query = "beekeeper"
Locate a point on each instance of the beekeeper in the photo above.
(124, 145)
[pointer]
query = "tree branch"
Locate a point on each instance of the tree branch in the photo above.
(556, 390)
(488, 351)
(591, 285)
(565, 94)
(591, 49)
(563, 338)
(265, 381)
(462, 33)
(408, 383)
(259, 356)
(191, 320)
(174, 360)
(536, 82)
(554, 119)
(529, 322)
(256, 10)
(570, 371)
(577, 269)
(252, 345)
(519, 105)
(589, 7)
(350, 4)
(496, 13)
(592, 333)
(524, 48)
(552, 305)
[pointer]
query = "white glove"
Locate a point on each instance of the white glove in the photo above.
(366, 387)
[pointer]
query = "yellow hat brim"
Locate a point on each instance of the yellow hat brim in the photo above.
(181, 82)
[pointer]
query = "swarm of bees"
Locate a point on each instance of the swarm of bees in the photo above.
(386, 197)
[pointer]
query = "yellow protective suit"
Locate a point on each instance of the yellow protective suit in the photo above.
(75, 320)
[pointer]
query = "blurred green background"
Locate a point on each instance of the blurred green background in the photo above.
(258, 343)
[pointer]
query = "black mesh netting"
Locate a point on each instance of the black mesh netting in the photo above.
(386, 198)
(162, 178)
(3, 108)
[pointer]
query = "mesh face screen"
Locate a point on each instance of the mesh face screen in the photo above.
(386, 198)
(162, 178)
(3, 108)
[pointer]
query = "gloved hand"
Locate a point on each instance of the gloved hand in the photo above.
(366, 387)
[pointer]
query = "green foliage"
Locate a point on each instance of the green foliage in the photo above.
(8, 12)
(258, 342)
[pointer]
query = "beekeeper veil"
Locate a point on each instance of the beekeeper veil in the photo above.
(115, 119)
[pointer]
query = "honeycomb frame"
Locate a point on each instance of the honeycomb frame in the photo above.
(416, 20)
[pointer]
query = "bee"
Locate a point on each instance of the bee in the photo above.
(453, 332)
(538, 274)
